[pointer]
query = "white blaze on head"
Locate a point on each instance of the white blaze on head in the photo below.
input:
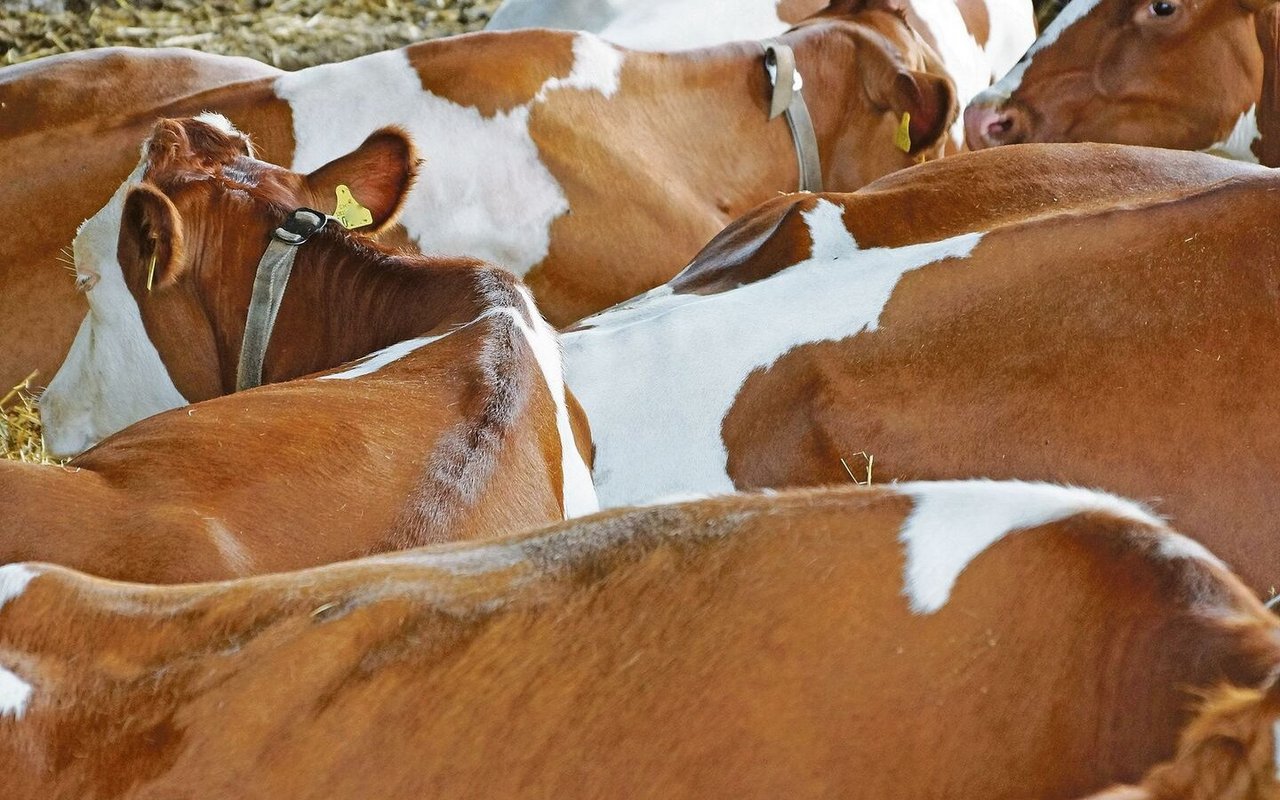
(112, 377)
(952, 522)
(1004, 88)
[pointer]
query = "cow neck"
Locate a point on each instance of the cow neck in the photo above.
(347, 298)
(825, 54)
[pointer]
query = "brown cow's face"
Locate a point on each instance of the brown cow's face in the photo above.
(1166, 73)
(899, 74)
(168, 268)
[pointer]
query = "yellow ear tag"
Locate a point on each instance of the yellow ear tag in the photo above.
(349, 211)
(151, 272)
(902, 136)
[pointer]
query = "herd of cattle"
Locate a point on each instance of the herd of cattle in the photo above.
(369, 345)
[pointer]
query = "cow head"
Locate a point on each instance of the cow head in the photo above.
(900, 76)
(1182, 74)
(168, 265)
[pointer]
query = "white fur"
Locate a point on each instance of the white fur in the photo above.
(1012, 32)
(952, 522)
(215, 120)
(1174, 546)
(578, 492)
(1075, 11)
(648, 24)
(658, 376)
(15, 693)
(964, 58)
(229, 546)
(112, 376)
(1238, 144)
(13, 581)
(483, 189)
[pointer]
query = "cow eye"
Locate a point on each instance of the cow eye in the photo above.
(1163, 8)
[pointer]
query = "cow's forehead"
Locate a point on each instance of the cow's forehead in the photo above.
(1071, 14)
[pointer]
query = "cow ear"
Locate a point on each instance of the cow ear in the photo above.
(926, 104)
(150, 246)
(377, 176)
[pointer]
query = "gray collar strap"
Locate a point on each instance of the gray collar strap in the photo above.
(268, 290)
(780, 63)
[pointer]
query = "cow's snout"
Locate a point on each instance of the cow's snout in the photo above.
(995, 122)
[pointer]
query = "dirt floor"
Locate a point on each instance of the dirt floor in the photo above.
(287, 33)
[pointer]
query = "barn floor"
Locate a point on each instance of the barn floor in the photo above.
(290, 34)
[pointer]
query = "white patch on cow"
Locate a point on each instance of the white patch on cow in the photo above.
(965, 62)
(216, 120)
(952, 522)
(229, 547)
(1012, 32)
(112, 376)
(648, 24)
(596, 67)
(1239, 143)
(15, 693)
(579, 493)
(1175, 546)
(13, 581)
(388, 355)
(658, 377)
(1004, 88)
(483, 189)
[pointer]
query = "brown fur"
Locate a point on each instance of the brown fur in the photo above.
(1123, 75)
(1100, 309)
(736, 647)
(452, 441)
(65, 152)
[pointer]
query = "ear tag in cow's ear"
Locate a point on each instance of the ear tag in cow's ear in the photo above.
(349, 211)
(902, 136)
(151, 272)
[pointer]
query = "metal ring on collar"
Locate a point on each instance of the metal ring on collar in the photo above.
(300, 225)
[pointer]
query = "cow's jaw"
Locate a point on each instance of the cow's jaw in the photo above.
(113, 376)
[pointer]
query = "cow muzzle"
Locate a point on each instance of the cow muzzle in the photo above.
(994, 121)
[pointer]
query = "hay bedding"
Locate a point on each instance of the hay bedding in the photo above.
(290, 34)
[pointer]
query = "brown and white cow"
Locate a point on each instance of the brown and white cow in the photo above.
(977, 40)
(68, 137)
(593, 171)
(967, 639)
(460, 427)
(1164, 73)
(1090, 314)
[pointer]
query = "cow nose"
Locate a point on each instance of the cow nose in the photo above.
(993, 124)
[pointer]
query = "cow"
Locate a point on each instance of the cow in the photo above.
(594, 172)
(459, 427)
(170, 265)
(1094, 314)
(68, 138)
(1163, 73)
(959, 639)
(977, 41)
